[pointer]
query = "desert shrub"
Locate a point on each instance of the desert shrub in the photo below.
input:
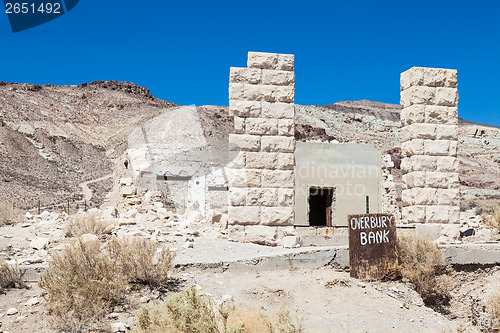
(421, 263)
(492, 220)
(493, 306)
(84, 281)
(11, 276)
(82, 285)
(87, 223)
(9, 214)
(192, 312)
(139, 261)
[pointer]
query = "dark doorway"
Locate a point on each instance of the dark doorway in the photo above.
(321, 206)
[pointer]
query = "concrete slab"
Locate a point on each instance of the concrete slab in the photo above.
(472, 254)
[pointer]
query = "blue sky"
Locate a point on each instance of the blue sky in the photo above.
(344, 50)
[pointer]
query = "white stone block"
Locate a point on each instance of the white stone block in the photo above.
(262, 60)
(244, 215)
(413, 114)
(278, 110)
(245, 75)
(278, 78)
(286, 127)
(244, 177)
(244, 142)
(261, 160)
(261, 126)
(424, 196)
(454, 215)
(448, 197)
(413, 214)
(447, 132)
(446, 96)
(286, 161)
(286, 197)
(281, 144)
(423, 163)
(418, 131)
(267, 197)
(239, 125)
(437, 214)
(245, 108)
(435, 114)
(236, 91)
(285, 62)
(418, 95)
(407, 197)
(434, 77)
(237, 196)
(237, 159)
(277, 216)
(285, 94)
(256, 92)
(447, 164)
(413, 179)
(412, 77)
(437, 147)
(412, 147)
(278, 178)
(440, 180)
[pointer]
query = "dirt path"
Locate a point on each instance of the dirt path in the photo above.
(87, 192)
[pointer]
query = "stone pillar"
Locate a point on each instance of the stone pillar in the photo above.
(261, 174)
(429, 116)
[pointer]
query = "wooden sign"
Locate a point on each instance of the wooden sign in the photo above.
(372, 245)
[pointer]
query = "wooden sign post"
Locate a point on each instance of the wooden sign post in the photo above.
(372, 245)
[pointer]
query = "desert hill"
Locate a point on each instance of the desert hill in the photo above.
(53, 138)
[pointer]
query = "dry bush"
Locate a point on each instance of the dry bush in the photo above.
(9, 214)
(11, 276)
(84, 281)
(421, 263)
(192, 312)
(139, 261)
(87, 223)
(493, 306)
(493, 219)
(82, 285)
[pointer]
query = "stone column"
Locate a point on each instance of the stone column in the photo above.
(261, 174)
(429, 116)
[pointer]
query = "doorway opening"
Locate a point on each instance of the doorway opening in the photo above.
(321, 206)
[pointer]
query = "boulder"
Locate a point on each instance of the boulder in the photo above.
(39, 243)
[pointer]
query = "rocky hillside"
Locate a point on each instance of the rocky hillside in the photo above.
(52, 138)
(55, 138)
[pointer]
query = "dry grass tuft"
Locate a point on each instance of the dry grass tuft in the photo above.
(9, 215)
(82, 286)
(493, 306)
(139, 260)
(11, 276)
(421, 263)
(192, 312)
(87, 223)
(85, 281)
(492, 220)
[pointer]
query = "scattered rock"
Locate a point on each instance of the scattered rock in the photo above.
(39, 243)
(11, 312)
(118, 327)
(32, 302)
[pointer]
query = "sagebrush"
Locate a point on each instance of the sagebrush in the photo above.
(86, 280)
(493, 306)
(9, 214)
(87, 223)
(11, 276)
(192, 312)
(139, 260)
(420, 262)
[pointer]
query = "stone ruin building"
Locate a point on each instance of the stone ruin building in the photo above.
(261, 176)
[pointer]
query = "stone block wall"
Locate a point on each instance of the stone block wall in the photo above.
(429, 117)
(261, 173)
